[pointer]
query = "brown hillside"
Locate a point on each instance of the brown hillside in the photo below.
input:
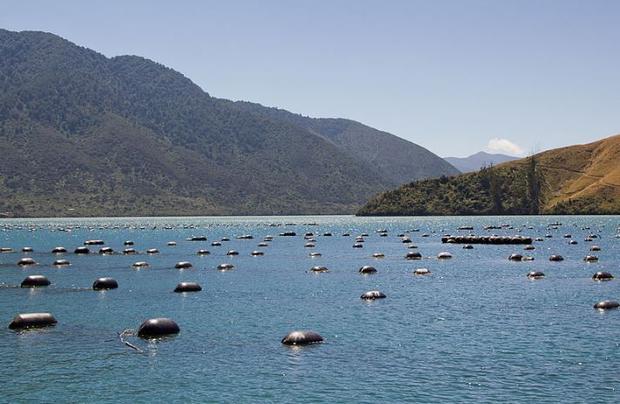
(581, 176)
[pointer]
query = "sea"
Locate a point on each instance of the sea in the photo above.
(475, 329)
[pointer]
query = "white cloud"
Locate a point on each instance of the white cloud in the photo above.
(498, 145)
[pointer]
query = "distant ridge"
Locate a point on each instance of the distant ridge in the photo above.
(86, 135)
(580, 179)
(478, 160)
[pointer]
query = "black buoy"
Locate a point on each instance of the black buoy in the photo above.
(60, 263)
(183, 265)
(203, 252)
(104, 284)
(372, 295)
(129, 251)
(152, 251)
(106, 250)
(602, 276)
(158, 327)
(413, 255)
(358, 245)
(187, 287)
(35, 281)
(444, 255)
(81, 250)
(535, 275)
(216, 244)
(128, 242)
(140, 264)
(94, 242)
(515, 257)
(32, 320)
(59, 250)
(26, 262)
(302, 338)
(319, 269)
(232, 252)
(556, 258)
(607, 305)
(422, 271)
(225, 267)
(257, 253)
(367, 269)
(27, 249)
(590, 258)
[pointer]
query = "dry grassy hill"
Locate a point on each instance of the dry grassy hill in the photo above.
(581, 177)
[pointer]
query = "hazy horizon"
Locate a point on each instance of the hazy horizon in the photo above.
(454, 77)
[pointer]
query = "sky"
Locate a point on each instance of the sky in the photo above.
(456, 77)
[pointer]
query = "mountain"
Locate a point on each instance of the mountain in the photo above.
(580, 179)
(83, 134)
(392, 157)
(476, 161)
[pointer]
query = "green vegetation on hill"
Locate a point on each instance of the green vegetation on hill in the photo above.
(82, 134)
(490, 191)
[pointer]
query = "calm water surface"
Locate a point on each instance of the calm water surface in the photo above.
(475, 330)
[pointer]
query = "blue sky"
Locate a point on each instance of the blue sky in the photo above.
(453, 76)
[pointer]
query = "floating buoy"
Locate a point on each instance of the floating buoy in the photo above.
(5, 250)
(59, 250)
(302, 338)
(187, 287)
(529, 247)
(232, 252)
(129, 251)
(319, 269)
(27, 249)
(412, 246)
(413, 255)
(288, 234)
(245, 237)
(573, 242)
(378, 255)
(216, 244)
(183, 265)
(104, 284)
(358, 245)
(406, 240)
(556, 258)
(140, 264)
(158, 327)
(197, 238)
(309, 245)
(128, 242)
(602, 276)
(607, 305)
(35, 281)
(257, 253)
(315, 254)
(203, 252)
(94, 242)
(81, 250)
(422, 271)
(372, 295)
(152, 251)
(32, 320)
(535, 275)
(106, 250)
(595, 248)
(27, 261)
(590, 258)
(367, 269)
(225, 239)
(263, 245)
(444, 255)
(172, 243)
(468, 246)
(60, 263)
(515, 257)
(225, 267)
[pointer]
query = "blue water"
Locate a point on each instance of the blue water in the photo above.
(475, 330)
